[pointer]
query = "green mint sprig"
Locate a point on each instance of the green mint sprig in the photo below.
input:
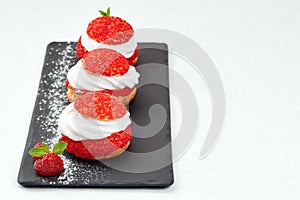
(103, 13)
(40, 151)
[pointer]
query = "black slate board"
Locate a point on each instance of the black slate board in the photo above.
(50, 101)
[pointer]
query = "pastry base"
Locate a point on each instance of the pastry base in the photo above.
(72, 96)
(113, 154)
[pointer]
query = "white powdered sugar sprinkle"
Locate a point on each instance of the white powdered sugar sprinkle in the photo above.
(51, 102)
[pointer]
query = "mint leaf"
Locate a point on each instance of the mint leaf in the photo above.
(102, 13)
(45, 148)
(108, 11)
(59, 147)
(37, 151)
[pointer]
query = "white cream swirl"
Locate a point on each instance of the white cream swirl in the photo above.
(81, 79)
(126, 49)
(77, 127)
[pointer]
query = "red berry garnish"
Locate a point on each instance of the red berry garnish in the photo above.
(48, 163)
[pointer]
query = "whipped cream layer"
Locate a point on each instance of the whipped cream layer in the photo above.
(77, 127)
(81, 79)
(126, 49)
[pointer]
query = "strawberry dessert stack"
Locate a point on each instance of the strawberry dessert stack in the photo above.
(96, 126)
(109, 32)
(103, 70)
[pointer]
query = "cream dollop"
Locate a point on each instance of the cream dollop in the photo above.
(77, 127)
(81, 79)
(126, 49)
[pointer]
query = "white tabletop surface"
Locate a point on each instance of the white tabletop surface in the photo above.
(255, 46)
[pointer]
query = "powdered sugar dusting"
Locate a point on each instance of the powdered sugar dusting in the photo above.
(51, 102)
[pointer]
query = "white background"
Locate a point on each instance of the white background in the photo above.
(255, 46)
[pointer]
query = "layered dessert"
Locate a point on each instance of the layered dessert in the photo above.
(96, 126)
(109, 32)
(103, 70)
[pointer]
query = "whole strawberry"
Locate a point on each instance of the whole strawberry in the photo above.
(48, 163)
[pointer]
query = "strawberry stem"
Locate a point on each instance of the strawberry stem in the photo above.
(103, 13)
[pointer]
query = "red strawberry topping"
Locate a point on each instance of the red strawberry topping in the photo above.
(133, 59)
(110, 30)
(106, 62)
(91, 149)
(100, 106)
(80, 50)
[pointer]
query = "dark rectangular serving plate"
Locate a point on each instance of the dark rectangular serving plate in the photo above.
(148, 145)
